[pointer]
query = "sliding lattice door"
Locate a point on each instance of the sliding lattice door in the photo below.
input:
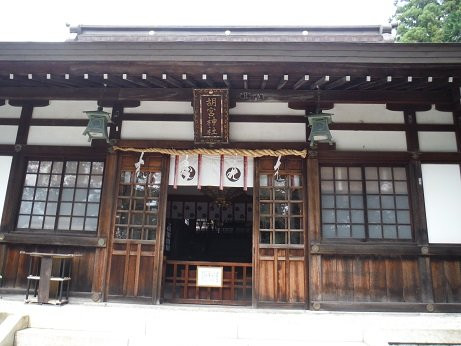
(279, 233)
(137, 236)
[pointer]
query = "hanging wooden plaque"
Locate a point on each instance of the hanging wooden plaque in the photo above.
(211, 116)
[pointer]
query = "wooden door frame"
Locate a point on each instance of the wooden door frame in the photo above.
(255, 247)
(160, 239)
(256, 250)
(159, 242)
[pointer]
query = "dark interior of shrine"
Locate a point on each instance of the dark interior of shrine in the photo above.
(209, 224)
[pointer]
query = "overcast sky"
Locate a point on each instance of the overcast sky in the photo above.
(45, 20)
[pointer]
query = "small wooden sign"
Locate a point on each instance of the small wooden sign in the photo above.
(209, 276)
(211, 115)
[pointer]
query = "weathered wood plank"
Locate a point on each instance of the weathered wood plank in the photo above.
(452, 272)
(315, 278)
(411, 281)
(361, 279)
(394, 279)
(329, 277)
(378, 280)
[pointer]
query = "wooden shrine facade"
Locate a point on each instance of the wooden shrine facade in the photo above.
(352, 226)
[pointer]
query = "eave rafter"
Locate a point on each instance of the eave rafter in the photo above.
(237, 95)
(275, 81)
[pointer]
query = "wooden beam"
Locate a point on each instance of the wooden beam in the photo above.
(411, 131)
(191, 144)
(376, 84)
(405, 82)
(359, 248)
(7, 149)
(67, 81)
(31, 103)
(126, 116)
(51, 239)
(320, 82)
(124, 104)
(401, 107)
(115, 81)
(94, 81)
(77, 152)
(226, 81)
(282, 82)
(188, 80)
(440, 157)
(184, 94)
(439, 83)
(171, 80)
(9, 121)
(207, 80)
(245, 81)
(59, 122)
(264, 81)
(233, 118)
(301, 81)
(339, 82)
(116, 123)
(48, 80)
(358, 83)
(133, 81)
(154, 81)
(24, 124)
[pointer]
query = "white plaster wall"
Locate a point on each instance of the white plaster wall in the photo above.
(66, 110)
(433, 116)
(8, 134)
(168, 130)
(57, 135)
(365, 113)
(162, 107)
(271, 132)
(7, 111)
(5, 165)
(370, 140)
(437, 141)
(264, 108)
(442, 198)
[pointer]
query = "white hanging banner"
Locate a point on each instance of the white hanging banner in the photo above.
(186, 171)
(210, 170)
(234, 170)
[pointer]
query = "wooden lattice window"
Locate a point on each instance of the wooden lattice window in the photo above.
(365, 203)
(137, 205)
(281, 209)
(61, 196)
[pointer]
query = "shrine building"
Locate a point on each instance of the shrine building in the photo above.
(304, 167)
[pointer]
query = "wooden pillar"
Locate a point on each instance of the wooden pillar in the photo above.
(417, 203)
(160, 242)
(105, 225)
(255, 249)
(457, 116)
(18, 163)
(118, 108)
(313, 271)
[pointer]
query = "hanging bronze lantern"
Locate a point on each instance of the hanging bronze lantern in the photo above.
(320, 132)
(97, 125)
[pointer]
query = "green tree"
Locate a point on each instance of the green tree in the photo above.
(428, 20)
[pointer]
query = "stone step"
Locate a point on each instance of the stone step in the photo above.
(53, 337)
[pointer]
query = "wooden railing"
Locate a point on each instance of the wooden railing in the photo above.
(180, 283)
